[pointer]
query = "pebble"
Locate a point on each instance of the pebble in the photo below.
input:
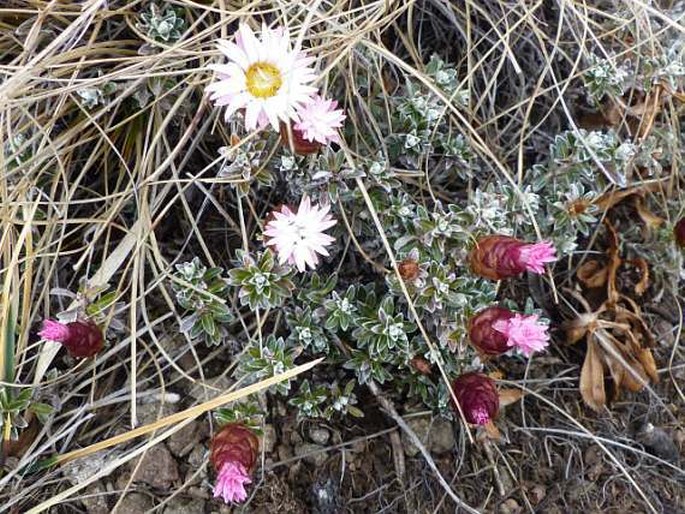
(437, 435)
(319, 435)
(318, 453)
(157, 469)
(134, 503)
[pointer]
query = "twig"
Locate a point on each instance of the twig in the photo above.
(390, 409)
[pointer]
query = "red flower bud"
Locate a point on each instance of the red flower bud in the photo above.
(679, 233)
(409, 269)
(300, 145)
(81, 338)
(477, 396)
(499, 257)
(484, 336)
(233, 454)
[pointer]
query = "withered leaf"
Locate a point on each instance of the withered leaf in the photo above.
(592, 274)
(592, 377)
(651, 220)
(509, 396)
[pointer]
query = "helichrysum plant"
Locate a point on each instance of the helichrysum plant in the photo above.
(261, 281)
(200, 291)
(162, 24)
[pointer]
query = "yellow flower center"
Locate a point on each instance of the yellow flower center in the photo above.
(263, 79)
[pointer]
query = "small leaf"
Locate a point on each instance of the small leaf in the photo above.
(592, 274)
(509, 396)
(592, 378)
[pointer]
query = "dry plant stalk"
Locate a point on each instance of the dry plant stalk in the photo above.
(618, 339)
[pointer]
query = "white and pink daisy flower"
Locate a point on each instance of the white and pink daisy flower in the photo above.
(298, 237)
(526, 333)
(266, 77)
(320, 120)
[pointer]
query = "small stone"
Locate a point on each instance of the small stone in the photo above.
(76, 472)
(134, 503)
(268, 438)
(657, 442)
(181, 443)
(158, 468)
(441, 436)
(94, 499)
(197, 457)
(319, 435)
(149, 411)
(179, 505)
(312, 453)
(510, 506)
(211, 388)
(437, 435)
(295, 438)
(537, 493)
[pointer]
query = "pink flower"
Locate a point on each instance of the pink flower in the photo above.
(230, 484)
(81, 338)
(526, 333)
(234, 455)
(265, 77)
(319, 120)
(498, 257)
(299, 236)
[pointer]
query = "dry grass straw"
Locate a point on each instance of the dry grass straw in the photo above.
(100, 187)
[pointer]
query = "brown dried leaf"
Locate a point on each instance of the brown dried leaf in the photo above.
(492, 431)
(592, 377)
(592, 274)
(509, 396)
(651, 220)
(614, 263)
(577, 329)
(649, 365)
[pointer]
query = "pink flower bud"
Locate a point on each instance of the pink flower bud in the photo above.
(300, 145)
(234, 455)
(496, 330)
(81, 338)
(477, 397)
(498, 257)
(679, 233)
(484, 336)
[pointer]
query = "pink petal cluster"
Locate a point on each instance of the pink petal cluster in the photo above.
(319, 120)
(526, 333)
(231, 482)
(298, 237)
(81, 338)
(535, 256)
(272, 83)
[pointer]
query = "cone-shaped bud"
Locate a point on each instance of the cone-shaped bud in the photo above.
(496, 330)
(81, 338)
(499, 257)
(484, 336)
(299, 144)
(234, 452)
(477, 397)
